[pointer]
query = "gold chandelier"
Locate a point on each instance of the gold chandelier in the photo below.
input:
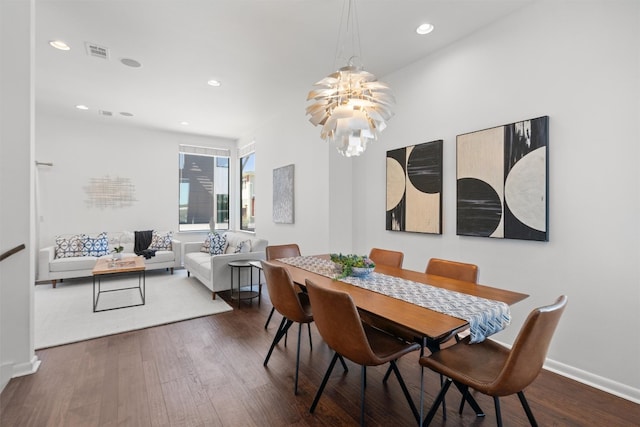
(351, 104)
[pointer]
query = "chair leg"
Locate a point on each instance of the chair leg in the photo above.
(437, 402)
(527, 409)
(269, 318)
(463, 400)
(403, 386)
(496, 402)
(324, 382)
(363, 386)
(421, 394)
(344, 365)
(295, 388)
(310, 343)
(282, 330)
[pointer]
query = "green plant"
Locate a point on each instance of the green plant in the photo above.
(118, 249)
(348, 262)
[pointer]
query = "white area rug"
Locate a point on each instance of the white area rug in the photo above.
(65, 314)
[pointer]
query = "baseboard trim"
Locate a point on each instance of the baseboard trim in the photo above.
(27, 368)
(612, 387)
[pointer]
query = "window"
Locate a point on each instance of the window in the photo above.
(204, 188)
(247, 194)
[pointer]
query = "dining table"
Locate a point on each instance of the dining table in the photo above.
(400, 317)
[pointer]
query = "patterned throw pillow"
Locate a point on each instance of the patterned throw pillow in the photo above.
(243, 247)
(218, 243)
(96, 246)
(67, 247)
(206, 246)
(161, 241)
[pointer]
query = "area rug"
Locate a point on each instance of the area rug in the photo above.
(65, 314)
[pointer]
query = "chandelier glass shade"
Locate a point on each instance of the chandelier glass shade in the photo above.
(351, 105)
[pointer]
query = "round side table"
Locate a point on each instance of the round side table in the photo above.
(240, 294)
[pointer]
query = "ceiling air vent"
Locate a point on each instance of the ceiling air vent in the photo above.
(97, 50)
(105, 113)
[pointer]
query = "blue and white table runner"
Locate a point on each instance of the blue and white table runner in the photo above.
(485, 317)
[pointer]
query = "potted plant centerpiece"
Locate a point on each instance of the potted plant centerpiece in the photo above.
(117, 252)
(353, 265)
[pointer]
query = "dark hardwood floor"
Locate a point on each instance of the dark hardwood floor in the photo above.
(208, 372)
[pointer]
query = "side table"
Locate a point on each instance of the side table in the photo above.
(240, 294)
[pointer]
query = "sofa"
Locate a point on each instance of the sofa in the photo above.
(208, 261)
(75, 255)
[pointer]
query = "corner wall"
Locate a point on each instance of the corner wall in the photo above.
(578, 63)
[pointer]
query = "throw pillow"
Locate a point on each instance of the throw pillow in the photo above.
(218, 243)
(206, 246)
(96, 246)
(67, 247)
(161, 241)
(243, 247)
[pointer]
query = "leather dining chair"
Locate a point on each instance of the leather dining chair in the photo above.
(453, 269)
(280, 251)
(386, 257)
(340, 326)
(496, 370)
(293, 305)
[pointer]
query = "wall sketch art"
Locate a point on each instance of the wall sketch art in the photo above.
(502, 181)
(283, 207)
(107, 192)
(414, 188)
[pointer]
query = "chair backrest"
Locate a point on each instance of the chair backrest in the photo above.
(386, 257)
(339, 324)
(282, 251)
(529, 349)
(453, 269)
(282, 292)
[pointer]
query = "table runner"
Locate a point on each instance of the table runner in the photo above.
(485, 317)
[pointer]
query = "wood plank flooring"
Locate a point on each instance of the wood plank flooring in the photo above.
(208, 372)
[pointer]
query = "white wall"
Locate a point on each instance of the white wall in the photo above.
(17, 356)
(578, 63)
(81, 150)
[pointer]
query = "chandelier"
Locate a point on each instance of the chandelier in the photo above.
(351, 105)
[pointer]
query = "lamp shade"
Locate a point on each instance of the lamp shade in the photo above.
(352, 107)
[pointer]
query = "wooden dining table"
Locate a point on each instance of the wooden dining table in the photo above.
(401, 316)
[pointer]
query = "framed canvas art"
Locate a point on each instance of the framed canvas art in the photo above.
(502, 181)
(414, 188)
(283, 195)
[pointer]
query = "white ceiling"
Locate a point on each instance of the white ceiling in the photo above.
(264, 52)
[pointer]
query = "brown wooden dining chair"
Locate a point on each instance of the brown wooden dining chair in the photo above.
(453, 269)
(386, 257)
(293, 305)
(339, 325)
(280, 251)
(493, 369)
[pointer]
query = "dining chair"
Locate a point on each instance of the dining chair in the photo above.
(294, 307)
(386, 257)
(339, 325)
(496, 370)
(280, 251)
(453, 269)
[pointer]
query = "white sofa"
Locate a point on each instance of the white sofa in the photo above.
(52, 268)
(213, 270)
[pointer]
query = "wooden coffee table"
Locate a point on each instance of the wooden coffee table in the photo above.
(107, 267)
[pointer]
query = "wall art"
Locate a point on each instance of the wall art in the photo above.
(414, 188)
(107, 192)
(283, 206)
(502, 181)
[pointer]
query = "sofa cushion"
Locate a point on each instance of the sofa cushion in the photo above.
(96, 246)
(161, 241)
(72, 264)
(71, 246)
(161, 256)
(218, 243)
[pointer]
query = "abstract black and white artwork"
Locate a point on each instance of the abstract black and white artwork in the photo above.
(502, 181)
(283, 195)
(414, 188)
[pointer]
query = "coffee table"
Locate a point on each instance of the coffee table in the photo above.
(107, 267)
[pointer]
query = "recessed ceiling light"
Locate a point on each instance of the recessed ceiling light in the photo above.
(424, 29)
(124, 113)
(214, 83)
(131, 62)
(59, 44)
(184, 123)
(82, 107)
